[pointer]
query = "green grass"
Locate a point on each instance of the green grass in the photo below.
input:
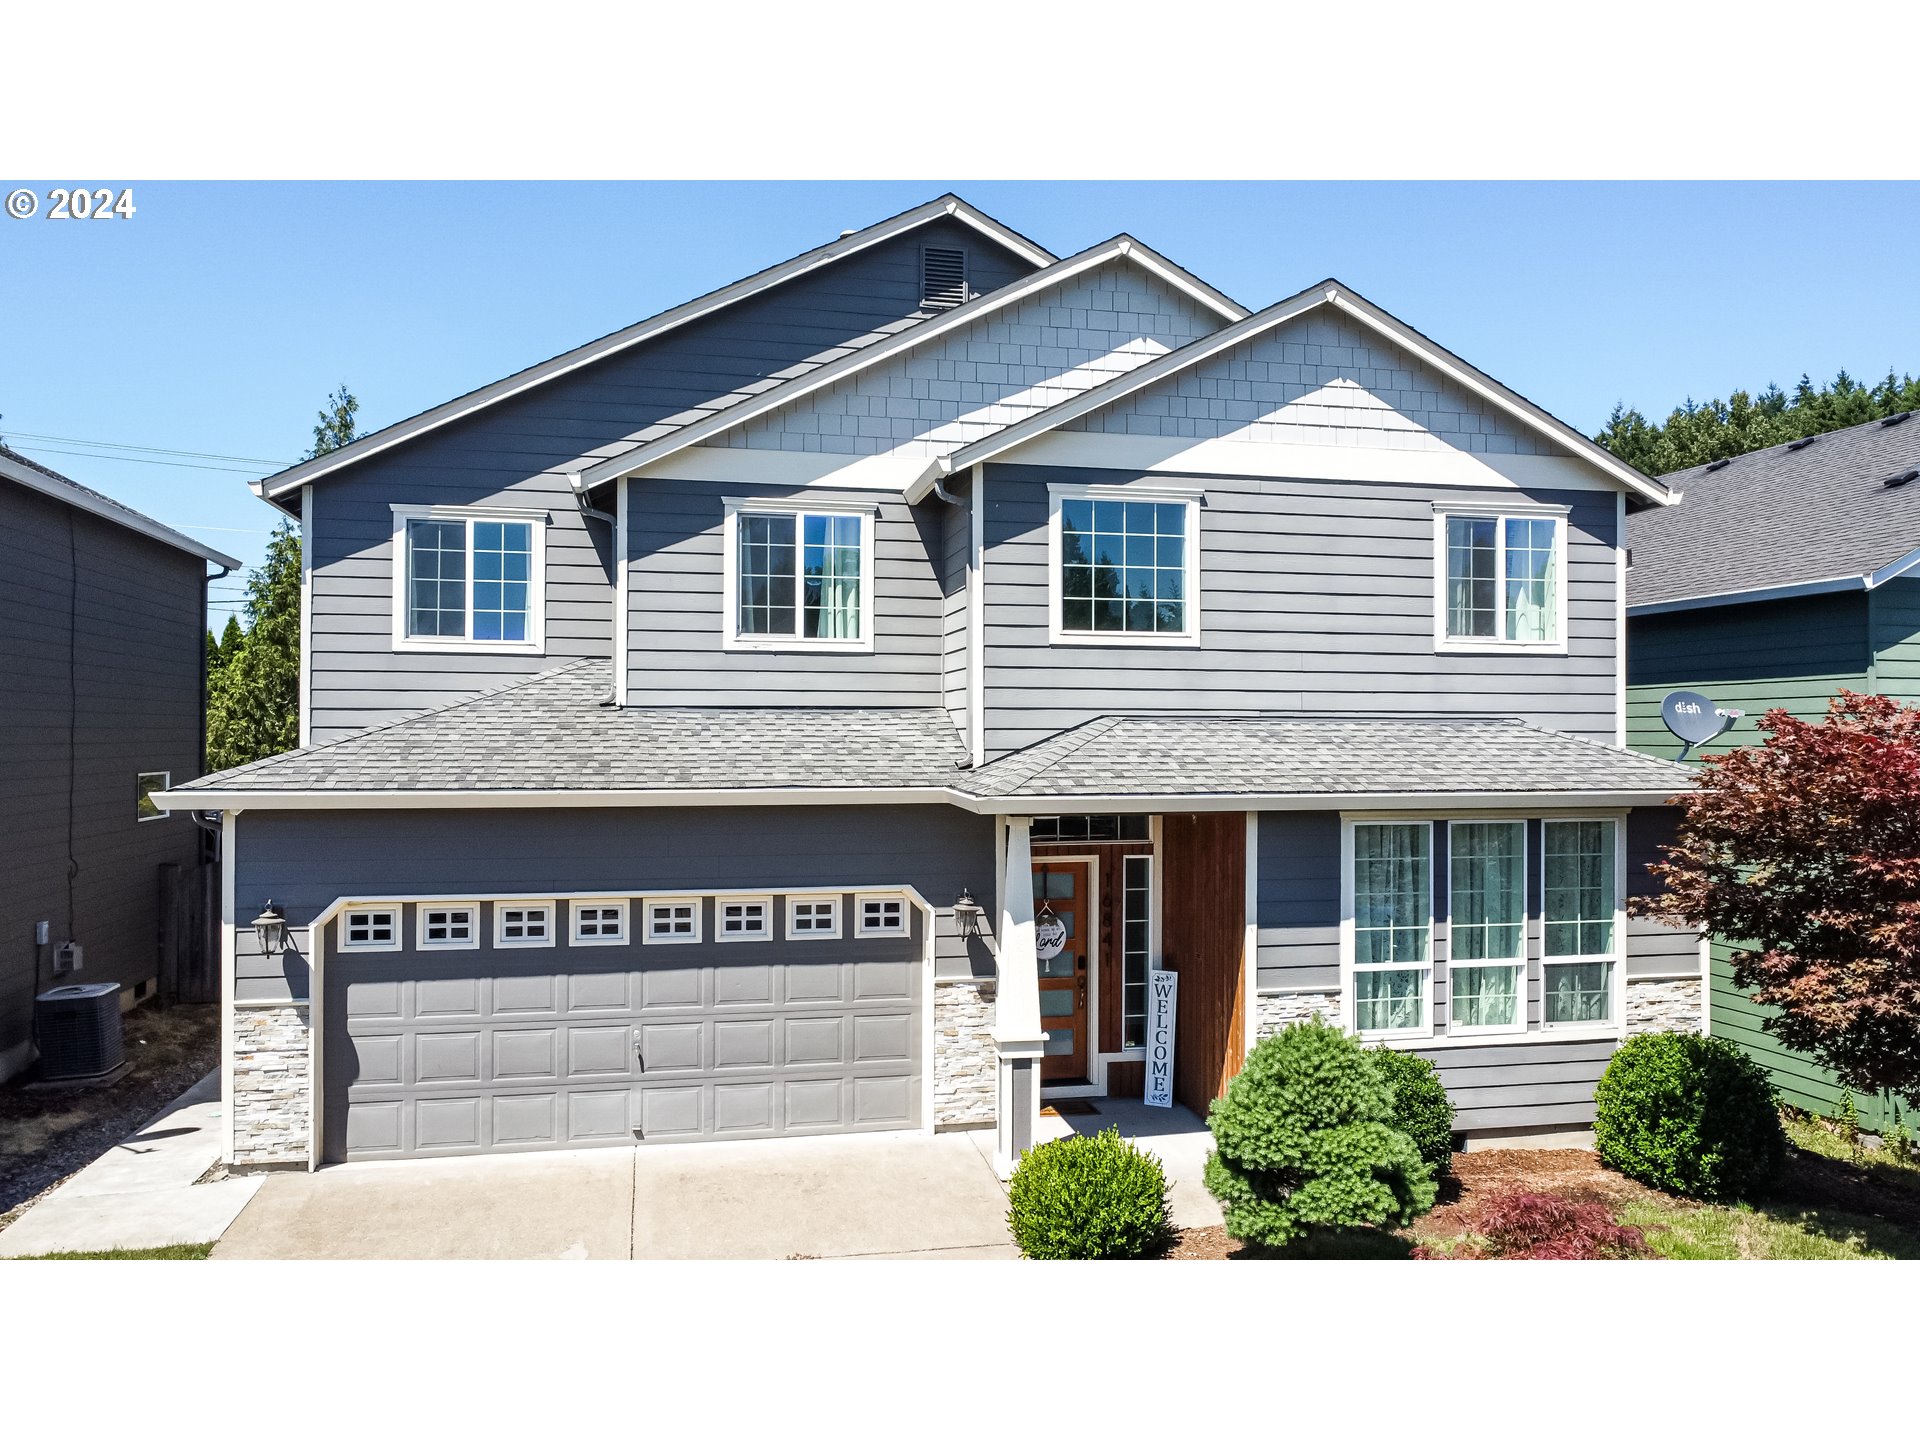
(1816, 1139)
(1766, 1232)
(164, 1252)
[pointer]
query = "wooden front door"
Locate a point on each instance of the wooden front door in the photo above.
(1063, 934)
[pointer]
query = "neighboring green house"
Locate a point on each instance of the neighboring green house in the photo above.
(1782, 577)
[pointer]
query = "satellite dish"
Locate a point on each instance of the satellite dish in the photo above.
(1695, 718)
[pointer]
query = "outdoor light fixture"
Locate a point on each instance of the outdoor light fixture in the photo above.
(270, 929)
(966, 915)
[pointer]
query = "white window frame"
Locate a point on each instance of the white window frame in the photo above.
(535, 520)
(359, 947)
(1151, 494)
(165, 778)
(621, 907)
(839, 903)
(1519, 1026)
(471, 911)
(1348, 947)
(500, 940)
(1617, 1024)
(799, 508)
(652, 902)
(765, 932)
(1499, 511)
(860, 929)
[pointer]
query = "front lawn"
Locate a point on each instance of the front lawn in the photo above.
(164, 1252)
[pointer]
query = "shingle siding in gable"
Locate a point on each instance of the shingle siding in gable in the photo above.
(514, 453)
(1315, 596)
(963, 386)
(1320, 380)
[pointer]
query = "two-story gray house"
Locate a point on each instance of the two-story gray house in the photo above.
(103, 654)
(823, 706)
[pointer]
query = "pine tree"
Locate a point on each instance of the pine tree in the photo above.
(1721, 429)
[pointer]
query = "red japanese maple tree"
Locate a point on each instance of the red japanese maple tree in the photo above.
(1804, 851)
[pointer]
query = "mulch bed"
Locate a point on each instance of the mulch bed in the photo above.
(46, 1135)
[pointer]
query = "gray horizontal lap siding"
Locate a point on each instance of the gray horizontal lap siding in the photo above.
(1522, 1087)
(676, 607)
(956, 542)
(135, 627)
(1315, 596)
(512, 453)
(306, 860)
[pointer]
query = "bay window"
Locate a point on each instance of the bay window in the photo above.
(1487, 905)
(797, 577)
(1502, 584)
(1580, 900)
(1392, 926)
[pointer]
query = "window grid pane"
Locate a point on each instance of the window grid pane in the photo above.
(743, 917)
(1390, 999)
(1579, 884)
(1532, 600)
(1579, 993)
(1488, 895)
(1123, 566)
(830, 572)
(1392, 895)
(1483, 996)
(502, 570)
(1471, 578)
(437, 578)
(766, 598)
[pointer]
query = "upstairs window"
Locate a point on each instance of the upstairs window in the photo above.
(1503, 585)
(469, 579)
(796, 579)
(1125, 565)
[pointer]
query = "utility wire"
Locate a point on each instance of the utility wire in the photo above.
(134, 460)
(152, 449)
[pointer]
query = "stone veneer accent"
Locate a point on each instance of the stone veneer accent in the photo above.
(272, 1085)
(1273, 1013)
(1663, 1005)
(965, 1073)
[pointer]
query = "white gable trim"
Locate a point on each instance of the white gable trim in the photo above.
(1121, 247)
(273, 487)
(1334, 295)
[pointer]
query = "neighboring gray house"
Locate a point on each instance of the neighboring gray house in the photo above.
(674, 704)
(103, 651)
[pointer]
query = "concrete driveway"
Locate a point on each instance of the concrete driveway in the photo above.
(859, 1197)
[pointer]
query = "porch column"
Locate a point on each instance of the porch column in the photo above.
(1017, 1035)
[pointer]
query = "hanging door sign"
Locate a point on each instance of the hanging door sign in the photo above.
(1163, 994)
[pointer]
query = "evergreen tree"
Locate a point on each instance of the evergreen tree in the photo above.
(224, 646)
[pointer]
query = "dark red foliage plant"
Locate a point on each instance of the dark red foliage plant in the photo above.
(1534, 1225)
(1803, 852)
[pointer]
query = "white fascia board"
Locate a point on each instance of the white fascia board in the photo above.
(72, 493)
(952, 206)
(1752, 597)
(1119, 248)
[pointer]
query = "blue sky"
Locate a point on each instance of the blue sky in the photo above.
(219, 316)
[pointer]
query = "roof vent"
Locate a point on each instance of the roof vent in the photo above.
(1802, 442)
(1896, 419)
(1905, 477)
(1717, 465)
(943, 278)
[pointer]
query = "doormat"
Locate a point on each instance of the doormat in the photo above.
(1070, 1107)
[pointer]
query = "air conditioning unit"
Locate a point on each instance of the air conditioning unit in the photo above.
(80, 1034)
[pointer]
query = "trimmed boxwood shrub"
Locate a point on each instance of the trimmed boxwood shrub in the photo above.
(1691, 1115)
(1088, 1197)
(1421, 1110)
(1305, 1142)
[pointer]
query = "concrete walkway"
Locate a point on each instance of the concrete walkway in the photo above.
(141, 1194)
(857, 1197)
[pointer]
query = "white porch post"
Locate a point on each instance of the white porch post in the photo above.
(1017, 1035)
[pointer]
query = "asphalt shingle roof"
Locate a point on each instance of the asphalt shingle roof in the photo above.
(1781, 517)
(554, 733)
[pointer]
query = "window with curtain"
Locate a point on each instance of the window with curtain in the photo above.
(1579, 901)
(798, 576)
(1123, 567)
(1487, 903)
(1502, 579)
(1392, 925)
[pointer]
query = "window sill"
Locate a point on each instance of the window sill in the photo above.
(1499, 647)
(799, 647)
(523, 944)
(1483, 1032)
(583, 940)
(448, 945)
(1122, 640)
(414, 646)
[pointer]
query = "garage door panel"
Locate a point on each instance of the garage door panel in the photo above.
(526, 995)
(816, 982)
(598, 1115)
(598, 1050)
(587, 991)
(878, 1039)
(669, 1047)
(449, 1122)
(374, 1127)
(885, 980)
(455, 999)
(815, 1039)
(882, 1100)
(665, 986)
(377, 1060)
(741, 1044)
(743, 984)
(526, 1119)
(815, 1104)
(669, 1111)
(446, 1057)
(526, 1055)
(374, 1000)
(744, 1109)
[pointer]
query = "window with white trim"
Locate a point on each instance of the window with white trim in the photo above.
(813, 919)
(880, 915)
(599, 922)
(673, 922)
(520, 924)
(1580, 898)
(469, 578)
(1502, 581)
(1392, 926)
(145, 784)
(1125, 565)
(371, 928)
(1487, 925)
(743, 920)
(448, 927)
(796, 578)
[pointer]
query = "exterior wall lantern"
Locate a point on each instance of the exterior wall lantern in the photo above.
(966, 915)
(270, 929)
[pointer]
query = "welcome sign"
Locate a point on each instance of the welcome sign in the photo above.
(1163, 994)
